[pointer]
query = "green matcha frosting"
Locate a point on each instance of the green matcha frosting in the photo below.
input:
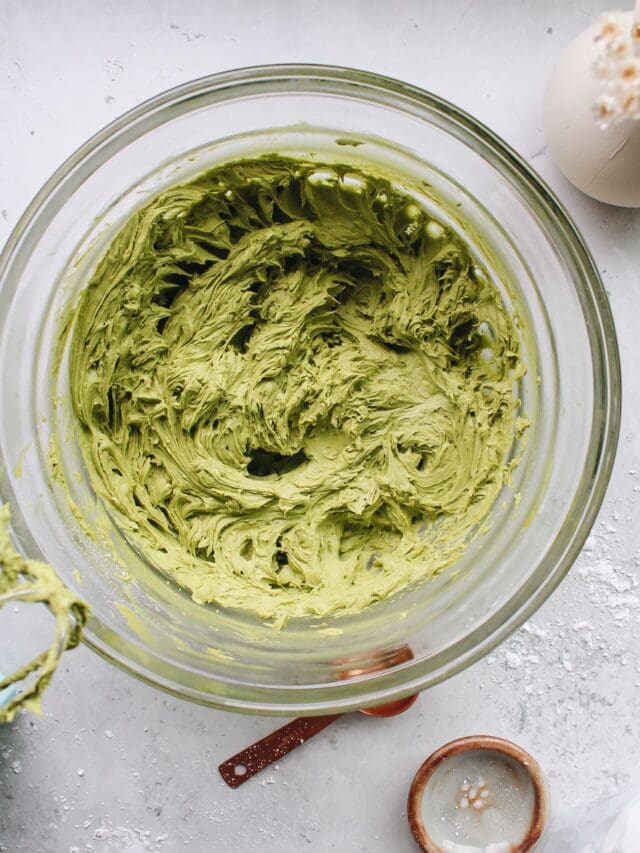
(296, 390)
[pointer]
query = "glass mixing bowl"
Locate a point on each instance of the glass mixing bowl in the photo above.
(571, 392)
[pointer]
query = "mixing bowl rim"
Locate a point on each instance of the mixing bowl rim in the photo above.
(418, 674)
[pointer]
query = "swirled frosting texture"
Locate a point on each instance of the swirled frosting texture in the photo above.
(295, 389)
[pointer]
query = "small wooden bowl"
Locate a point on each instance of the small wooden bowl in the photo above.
(540, 809)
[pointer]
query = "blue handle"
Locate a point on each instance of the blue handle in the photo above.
(7, 694)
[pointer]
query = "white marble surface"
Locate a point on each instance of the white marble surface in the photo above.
(114, 765)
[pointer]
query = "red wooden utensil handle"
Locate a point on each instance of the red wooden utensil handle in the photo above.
(273, 747)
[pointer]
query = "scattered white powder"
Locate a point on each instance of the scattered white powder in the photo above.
(131, 839)
(512, 659)
(562, 669)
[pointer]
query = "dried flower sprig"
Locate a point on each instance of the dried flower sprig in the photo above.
(617, 66)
